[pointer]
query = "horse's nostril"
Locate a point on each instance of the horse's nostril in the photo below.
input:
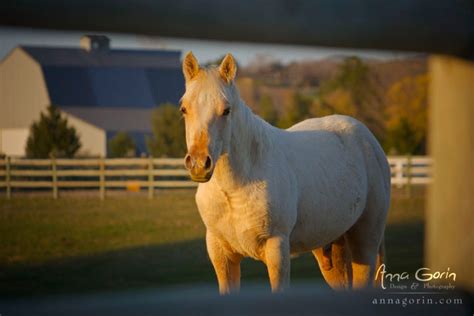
(208, 164)
(188, 161)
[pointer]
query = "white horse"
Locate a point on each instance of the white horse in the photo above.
(323, 185)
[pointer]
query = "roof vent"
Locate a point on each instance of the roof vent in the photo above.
(95, 43)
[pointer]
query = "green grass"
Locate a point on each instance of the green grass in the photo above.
(82, 244)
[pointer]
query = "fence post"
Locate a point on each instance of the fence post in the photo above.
(399, 172)
(449, 240)
(408, 175)
(54, 177)
(7, 177)
(151, 178)
(102, 178)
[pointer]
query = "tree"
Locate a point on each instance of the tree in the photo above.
(352, 92)
(51, 136)
(406, 112)
(298, 110)
(168, 132)
(402, 138)
(121, 145)
(267, 110)
(338, 101)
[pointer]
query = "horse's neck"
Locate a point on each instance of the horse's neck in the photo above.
(251, 141)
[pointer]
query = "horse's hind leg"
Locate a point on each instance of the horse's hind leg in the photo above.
(334, 262)
(364, 240)
(379, 262)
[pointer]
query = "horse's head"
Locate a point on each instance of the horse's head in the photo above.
(207, 107)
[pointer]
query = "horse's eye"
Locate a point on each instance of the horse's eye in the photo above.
(183, 110)
(226, 112)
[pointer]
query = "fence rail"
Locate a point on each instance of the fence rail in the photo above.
(132, 173)
(407, 170)
(149, 173)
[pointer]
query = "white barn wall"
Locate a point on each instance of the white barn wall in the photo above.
(23, 92)
(13, 141)
(93, 139)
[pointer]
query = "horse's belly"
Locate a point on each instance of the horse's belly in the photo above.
(323, 219)
(332, 197)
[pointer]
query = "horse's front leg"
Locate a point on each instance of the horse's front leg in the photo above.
(277, 259)
(226, 265)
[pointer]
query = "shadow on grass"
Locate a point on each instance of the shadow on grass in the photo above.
(404, 247)
(175, 264)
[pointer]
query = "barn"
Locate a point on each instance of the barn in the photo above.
(101, 90)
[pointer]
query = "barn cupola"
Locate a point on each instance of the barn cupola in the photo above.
(93, 43)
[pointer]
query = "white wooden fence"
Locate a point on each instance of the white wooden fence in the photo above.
(408, 170)
(138, 173)
(131, 173)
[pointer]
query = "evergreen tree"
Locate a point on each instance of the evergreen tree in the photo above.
(168, 138)
(402, 138)
(51, 136)
(121, 145)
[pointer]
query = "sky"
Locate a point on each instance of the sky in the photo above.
(204, 50)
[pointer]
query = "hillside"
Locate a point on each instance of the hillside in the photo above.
(280, 81)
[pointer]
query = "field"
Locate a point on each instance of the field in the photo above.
(79, 244)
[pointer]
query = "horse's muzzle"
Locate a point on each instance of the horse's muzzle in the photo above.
(200, 167)
(201, 178)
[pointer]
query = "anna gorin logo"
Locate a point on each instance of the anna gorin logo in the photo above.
(424, 275)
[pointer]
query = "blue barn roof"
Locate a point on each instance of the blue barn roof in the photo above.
(114, 89)
(110, 78)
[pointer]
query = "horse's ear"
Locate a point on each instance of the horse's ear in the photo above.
(228, 68)
(190, 66)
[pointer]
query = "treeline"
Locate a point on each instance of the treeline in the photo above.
(389, 97)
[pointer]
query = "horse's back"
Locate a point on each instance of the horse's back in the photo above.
(331, 123)
(357, 138)
(334, 135)
(340, 125)
(347, 130)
